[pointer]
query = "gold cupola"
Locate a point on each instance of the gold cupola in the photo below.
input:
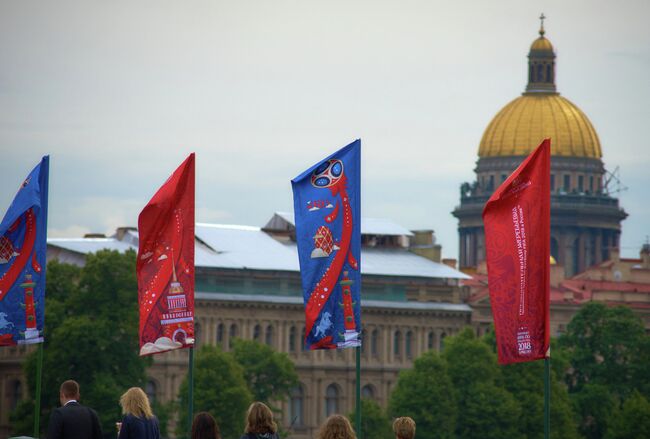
(540, 113)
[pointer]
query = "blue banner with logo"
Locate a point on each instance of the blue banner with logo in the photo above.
(23, 246)
(327, 206)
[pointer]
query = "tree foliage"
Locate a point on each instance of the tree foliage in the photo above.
(426, 394)
(220, 389)
(375, 424)
(91, 336)
(270, 375)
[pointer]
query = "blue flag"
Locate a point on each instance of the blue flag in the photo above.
(23, 246)
(327, 206)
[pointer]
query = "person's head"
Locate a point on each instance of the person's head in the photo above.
(69, 391)
(135, 402)
(336, 427)
(205, 427)
(404, 428)
(259, 419)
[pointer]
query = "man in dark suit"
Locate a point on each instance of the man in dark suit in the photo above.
(73, 420)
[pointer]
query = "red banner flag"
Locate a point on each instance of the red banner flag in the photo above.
(517, 241)
(165, 266)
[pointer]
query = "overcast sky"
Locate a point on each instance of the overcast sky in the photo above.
(119, 92)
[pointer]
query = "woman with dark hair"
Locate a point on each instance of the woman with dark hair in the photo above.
(205, 427)
(260, 423)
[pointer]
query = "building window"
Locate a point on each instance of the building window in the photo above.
(292, 339)
(220, 331)
(150, 390)
(491, 183)
(232, 334)
(581, 183)
(552, 182)
(331, 400)
(442, 341)
(430, 340)
(302, 341)
(374, 342)
(257, 330)
(296, 403)
(269, 335)
(591, 183)
(567, 183)
(368, 392)
(503, 177)
(197, 333)
(16, 394)
(409, 344)
(555, 250)
(396, 344)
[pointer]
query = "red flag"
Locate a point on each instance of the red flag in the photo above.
(165, 265)
(517, 241)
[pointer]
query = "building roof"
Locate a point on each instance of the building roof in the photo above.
(246, 247)
(369, 226)
(296, 300)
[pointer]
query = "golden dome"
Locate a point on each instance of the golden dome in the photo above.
(522, 125)
(542, 44)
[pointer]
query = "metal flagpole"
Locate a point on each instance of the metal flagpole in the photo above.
(190, 382)
(358, 420)
(37, 400)
(547, 397)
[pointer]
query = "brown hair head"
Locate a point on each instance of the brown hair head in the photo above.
(135, 402)
(336, 427)
(404, 428)
(259, 419)
(70, 389)
(205, 427)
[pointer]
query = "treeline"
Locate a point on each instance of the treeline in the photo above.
(600, 371)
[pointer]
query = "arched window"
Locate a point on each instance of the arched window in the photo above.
(409, 344)
(368, 392)
(374, 342)
(292, 339)
(442, 341)
(232, 334)
(269, 335)
(16, 394)
(257, 331)
(331, 400)
(296, 403)
(220, 331)
(549, 76)
(150, 390)
(430, 339)
(540, 73)
(396, 344)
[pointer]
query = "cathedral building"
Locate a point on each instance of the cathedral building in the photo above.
(585, 217)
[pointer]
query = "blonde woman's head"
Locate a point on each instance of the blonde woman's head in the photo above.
(135, 402)
(404, 428)
(259, 419)
(336, 427)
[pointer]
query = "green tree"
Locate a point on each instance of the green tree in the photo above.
(220, 389)
(374, 422)
(91, 336)
(426, 394)
(607, 346)
(486, 409)
(270, 375)
(632, 421)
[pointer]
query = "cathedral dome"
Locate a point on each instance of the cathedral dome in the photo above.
(540, 113)
(522, 125)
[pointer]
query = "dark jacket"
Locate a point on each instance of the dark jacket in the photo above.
(74, 421)
(134, 427)
(260, 436)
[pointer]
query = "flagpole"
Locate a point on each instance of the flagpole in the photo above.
(190, 380)
(547, 397)
(358, 411)
(37, 400)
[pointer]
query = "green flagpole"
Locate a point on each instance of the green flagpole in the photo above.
(547, 397)
(358, 420)
(190, 382)
(37, 400)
